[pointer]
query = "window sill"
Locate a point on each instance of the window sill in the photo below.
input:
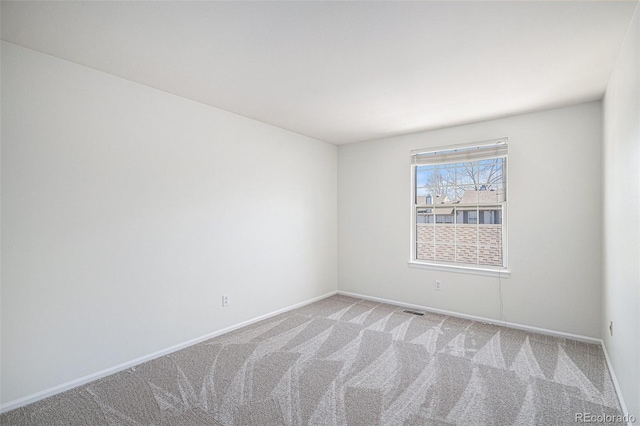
(501, 273)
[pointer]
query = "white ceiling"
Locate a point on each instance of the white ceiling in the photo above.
(341, 71)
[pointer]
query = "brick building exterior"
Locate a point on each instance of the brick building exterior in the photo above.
(462, 243)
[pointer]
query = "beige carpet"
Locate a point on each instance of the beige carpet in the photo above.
(348, 361)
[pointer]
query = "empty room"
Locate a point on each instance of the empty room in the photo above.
(320, 213)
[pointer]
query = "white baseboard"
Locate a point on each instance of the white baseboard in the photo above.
(614, 379)
(29, 399)
(479, 319)
(11, 405)
(561, 334)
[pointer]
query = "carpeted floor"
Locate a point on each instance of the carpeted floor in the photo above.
(346, 361)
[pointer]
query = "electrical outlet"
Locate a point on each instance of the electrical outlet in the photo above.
(225, 300)
(438, 285)
(611, 327)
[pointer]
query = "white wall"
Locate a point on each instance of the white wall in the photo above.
(554, 222)
(127, 212)
(621, 290)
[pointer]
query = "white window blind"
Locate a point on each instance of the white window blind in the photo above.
(459, 153)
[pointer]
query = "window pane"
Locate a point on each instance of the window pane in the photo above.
(444, 218)
(444, 232)
(424, 233)
(424, 176)
(490, 235)
(490, 215)
(472, 217)
(424, 215)
(448, 195)
(425, 251)
(467, 173)
(421, 195)
(437, 178)
(498, 190)
(490, 256)
(490, 239)
(467, 254)
(489, 173)
(469, 194)
(445, 252)
(445, 175)
(490, 196)
(467, 234)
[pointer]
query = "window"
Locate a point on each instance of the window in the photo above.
(459, 204)
(472, 217)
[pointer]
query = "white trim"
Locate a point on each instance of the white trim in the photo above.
(21, 402)
(502, 273)
(505, 215)
(468, 151)
(412, 224)
(483, 143)
(616, 386)
(100, 374)
(517, 326)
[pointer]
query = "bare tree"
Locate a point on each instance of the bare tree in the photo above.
(486, 175)
(460, 177)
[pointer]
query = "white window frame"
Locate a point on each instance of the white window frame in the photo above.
(449, 155)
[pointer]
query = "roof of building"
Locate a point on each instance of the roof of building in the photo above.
(470, 196)
(438, 200)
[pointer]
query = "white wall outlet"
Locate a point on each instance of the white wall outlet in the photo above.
(438, 285)
(225, 300)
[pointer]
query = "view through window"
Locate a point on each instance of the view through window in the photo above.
(460, 205)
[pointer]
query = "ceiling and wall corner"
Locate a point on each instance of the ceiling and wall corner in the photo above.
(341, 71)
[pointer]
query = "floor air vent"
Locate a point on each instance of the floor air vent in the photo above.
(407, 311)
